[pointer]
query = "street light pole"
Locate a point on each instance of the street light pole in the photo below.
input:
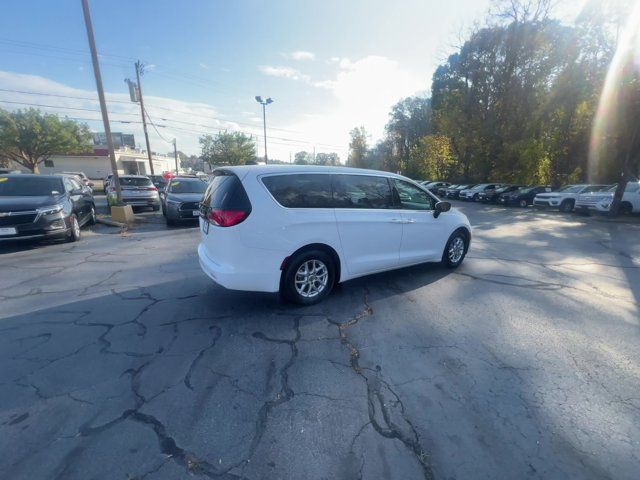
(264, 104)
(103, 103)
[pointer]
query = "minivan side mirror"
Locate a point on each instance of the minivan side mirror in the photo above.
(441, 207)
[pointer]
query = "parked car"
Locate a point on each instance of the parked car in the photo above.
(565, 198)
(83, 178)
(473, 192)
(181, 199)
(4, 171)
(434, 186)
(601, 201)
(137, 191)
(492, 195)
(159, 181)
(522, 197)
(455, 192)
(441, 192)
(43, 206)
(300, 230)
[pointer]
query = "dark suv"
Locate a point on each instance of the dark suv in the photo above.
(181, 199)
(43, 206)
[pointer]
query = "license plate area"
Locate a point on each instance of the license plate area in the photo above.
(8, 231)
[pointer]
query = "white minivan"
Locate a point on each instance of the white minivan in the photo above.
(299, 230)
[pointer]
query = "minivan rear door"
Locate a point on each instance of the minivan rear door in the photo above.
(369, 226)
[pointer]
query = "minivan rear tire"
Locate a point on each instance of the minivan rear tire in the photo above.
(322, 277)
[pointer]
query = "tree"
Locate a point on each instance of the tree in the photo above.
(302, 158)
(191, 162)
(29, 137)
(227, 148)
(432, 158)
(358, 148)
(327, 159)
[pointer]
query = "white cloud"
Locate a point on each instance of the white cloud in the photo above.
(283, 72)
(166, 113)
(204, 65)
(364, 91)
(301, 55)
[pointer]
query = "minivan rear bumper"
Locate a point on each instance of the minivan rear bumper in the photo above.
(261, 277)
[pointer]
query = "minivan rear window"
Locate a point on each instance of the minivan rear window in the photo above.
(306, 190)
(225, 192)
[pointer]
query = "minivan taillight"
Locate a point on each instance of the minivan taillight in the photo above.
(227, 218)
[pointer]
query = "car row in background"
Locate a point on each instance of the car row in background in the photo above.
(579, 197)
(44, 206)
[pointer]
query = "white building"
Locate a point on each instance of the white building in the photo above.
(97, 166)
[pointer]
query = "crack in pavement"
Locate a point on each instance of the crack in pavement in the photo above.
(385, 426)
(216, 333)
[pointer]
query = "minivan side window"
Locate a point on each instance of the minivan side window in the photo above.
(305, 190)
(361, 191)
(412, 197)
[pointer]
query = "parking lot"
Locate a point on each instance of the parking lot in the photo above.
(120, 359)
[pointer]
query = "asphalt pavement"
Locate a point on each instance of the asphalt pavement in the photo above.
(119, 359)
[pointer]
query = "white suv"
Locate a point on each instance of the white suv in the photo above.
(565, 198)
(300, 229)
(601, 201)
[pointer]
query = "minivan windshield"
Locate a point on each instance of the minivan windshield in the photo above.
(28, 186)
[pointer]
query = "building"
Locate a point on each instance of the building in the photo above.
(119, 139)
(96, 165)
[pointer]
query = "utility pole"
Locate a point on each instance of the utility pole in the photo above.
(139, 71)
(103, 103)
(175, 154)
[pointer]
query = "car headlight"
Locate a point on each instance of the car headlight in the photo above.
(605, 205)
(173, 202)
(51, 210)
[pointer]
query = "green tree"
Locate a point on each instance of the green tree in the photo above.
(302, 158)
(227, 148)
(358, 148)
(432, 158)
(29, 137)
(327, 159)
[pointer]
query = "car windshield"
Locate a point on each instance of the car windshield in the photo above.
(30, 186)
(503, 189)
(479, 187)
(571, 189)
(524, 189)
(187, 186)
(135, 182)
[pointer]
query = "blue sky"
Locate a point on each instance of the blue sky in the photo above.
(329, 65)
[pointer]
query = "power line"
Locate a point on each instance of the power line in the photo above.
(155, 128)
(173, 110)
(210, 127)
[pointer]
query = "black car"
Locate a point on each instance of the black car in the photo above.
(442, 191)
(434, 186)
(523, 196)
(159, 181)
(181, 199)
(491, 196)
(455, 192)
(44, 206)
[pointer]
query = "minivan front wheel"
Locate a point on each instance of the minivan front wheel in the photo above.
(455, 250)
(308, 277)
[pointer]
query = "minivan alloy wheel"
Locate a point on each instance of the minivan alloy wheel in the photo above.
(311, 278)
(456, 249)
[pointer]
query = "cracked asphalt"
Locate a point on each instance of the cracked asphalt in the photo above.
(119, 359)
